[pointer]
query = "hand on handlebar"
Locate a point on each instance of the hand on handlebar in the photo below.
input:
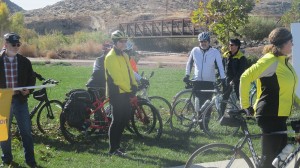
(186, 78)
(249, 111)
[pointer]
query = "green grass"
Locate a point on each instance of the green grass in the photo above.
(172, 150)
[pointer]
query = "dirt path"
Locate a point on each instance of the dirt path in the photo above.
(149, 61)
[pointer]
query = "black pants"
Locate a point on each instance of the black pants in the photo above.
(272, 145)
(203, 96)
(120, 117)
(227, 93)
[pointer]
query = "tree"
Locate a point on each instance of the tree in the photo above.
(17, 23)
(293, 15)
(222, 16)
(4, 17)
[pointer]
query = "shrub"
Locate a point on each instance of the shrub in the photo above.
(52, 55)
(28, 50)
(258, 28)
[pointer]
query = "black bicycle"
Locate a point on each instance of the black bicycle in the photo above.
(224, 155)
(48, 111)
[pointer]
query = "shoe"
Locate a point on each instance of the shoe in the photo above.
(4, 164)
(117, 153)
(32, 165)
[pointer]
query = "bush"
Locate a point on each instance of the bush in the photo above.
(258, 28)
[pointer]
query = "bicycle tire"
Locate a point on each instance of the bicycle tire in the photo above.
(45, 121)
(71, 134)
(186, 93)
(163, 106)
(219, 155)
(147, 127)
(210, 120)
(182, 115)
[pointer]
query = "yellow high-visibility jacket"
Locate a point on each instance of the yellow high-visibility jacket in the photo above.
(118, 73)
(276, 82)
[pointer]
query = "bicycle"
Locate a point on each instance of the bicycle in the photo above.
(47, 110)
(143, 120)
(184, 116)
(224, 155)
(163, 106)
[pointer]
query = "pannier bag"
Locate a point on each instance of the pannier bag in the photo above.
(230, 120)
(76, 108)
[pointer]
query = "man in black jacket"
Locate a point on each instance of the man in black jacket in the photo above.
(16, 71)
(235, 65)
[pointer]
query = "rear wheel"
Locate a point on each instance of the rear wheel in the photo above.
(163, 107)
(211, 117)
(71, 134)
(146, 121)
(183, 115)
(219, 155)
(48, 117)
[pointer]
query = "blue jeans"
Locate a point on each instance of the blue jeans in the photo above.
(20, 111)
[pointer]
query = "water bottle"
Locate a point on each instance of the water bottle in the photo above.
(283, 155)
(197, 106)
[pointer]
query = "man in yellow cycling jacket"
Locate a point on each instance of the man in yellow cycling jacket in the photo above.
(276, 85)
(121, 85)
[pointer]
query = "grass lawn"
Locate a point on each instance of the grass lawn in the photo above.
(173, 149)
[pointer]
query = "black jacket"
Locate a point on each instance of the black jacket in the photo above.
(26, 76)
(235, 65)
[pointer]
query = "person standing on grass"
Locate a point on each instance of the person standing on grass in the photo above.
(235, 64)
(121, 87)
(276, 82)
(97, 79)
(204, 59)
(16, 71)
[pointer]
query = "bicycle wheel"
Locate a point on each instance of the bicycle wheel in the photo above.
(219, 155)
(183, 115)
(146, 121)
(163, 107)
(48, 117)
(184, 94)
(210, 120)
(71, 134)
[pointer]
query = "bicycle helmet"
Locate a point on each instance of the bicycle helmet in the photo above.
(118, 35)
(129, 45)
(204, 36)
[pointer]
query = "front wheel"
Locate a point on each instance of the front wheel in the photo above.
(146, 121)
(48, 117)
(163, 106)
(219, 155)
(211, 117)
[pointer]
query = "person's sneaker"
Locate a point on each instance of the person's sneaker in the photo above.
(4, 164)
(32, 165)
(117, 153)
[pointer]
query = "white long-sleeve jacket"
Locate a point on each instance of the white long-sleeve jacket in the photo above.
(205, 64)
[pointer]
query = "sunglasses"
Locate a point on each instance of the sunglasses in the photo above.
(16, 44)
(232, 44)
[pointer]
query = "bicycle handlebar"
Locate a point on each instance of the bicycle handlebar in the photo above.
(48, 81)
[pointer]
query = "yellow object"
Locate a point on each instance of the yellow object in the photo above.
(5, 102)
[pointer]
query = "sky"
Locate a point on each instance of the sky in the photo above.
(34, 4)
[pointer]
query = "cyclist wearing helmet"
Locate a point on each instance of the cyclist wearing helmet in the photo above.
(121, 86)
(204, 58)
(97, 79)
(235, 64)
(130, 52)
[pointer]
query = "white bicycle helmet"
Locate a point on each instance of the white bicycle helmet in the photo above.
(129, 45)
(204, 36)
(117, 35)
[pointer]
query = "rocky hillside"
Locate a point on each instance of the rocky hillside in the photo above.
(70, 16)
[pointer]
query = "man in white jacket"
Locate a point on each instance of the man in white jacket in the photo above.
(204, 58)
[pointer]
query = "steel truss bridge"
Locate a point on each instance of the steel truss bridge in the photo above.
(171, 28)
